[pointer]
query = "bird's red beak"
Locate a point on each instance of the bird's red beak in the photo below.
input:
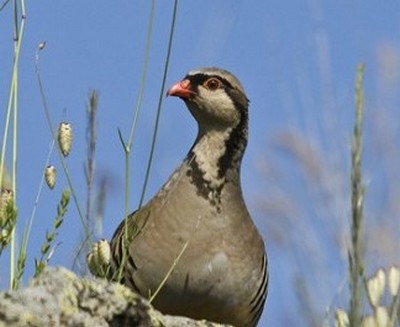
(181, 89)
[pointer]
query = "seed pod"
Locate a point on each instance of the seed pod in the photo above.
(42, 45)
(381, 317)
(341, 318)
(91, 263)
(98, 259)
(65, 138)
(376, 287)
(368, 321)
(103, 253)
(6, 196)
(394, 280)
(4, 237)
(50, 176)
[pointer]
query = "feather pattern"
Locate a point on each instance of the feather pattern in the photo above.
(198, 223)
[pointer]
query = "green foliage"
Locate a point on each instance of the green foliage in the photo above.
(46, 248)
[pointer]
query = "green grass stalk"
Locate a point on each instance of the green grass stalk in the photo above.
(21, 261)
(356, 252)
(12, 107)
(91, 136)
(128, 145)
(169, 272)
(61, 157)
(160, 101)
(4, 4)
(144, 75)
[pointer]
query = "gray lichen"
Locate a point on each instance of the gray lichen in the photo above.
(59, 298)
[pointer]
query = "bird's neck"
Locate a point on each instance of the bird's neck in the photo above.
(215, 158)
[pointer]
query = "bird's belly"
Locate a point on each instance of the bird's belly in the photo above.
(198, 266)
(199, 290)
(199, 281)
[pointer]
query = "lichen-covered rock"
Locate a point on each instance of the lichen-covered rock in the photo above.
(59, 298)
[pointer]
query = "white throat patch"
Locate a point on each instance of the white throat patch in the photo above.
(207, 153)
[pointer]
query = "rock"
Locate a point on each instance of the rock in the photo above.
(59, 298)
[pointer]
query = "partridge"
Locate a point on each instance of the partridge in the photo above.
(194, 242)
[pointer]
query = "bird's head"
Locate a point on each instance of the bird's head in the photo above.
(214, 96)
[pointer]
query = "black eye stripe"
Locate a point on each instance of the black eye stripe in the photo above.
(199, 79)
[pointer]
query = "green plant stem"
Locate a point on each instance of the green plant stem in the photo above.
(14, 82)
(138, 104)
(61, 157)
(125, 245)
(128, 145)
(144, 74)
(4, 4)
(160, 101)
(32, 217)
(170, 270)
(13, 102)
(176, 260)
(356, 264)
(27, 230)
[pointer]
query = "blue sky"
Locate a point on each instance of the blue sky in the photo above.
(297, 62)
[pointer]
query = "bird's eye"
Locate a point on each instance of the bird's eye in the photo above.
(212, 84)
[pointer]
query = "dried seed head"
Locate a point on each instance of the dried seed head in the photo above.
(368, 321)
(5, 180)
(4, 237)
(6, 197)
(104, 253)
(50, 176)
(394, 280)
(98, 259)
(91, 264)
(381, 317)
(65, 138)
(376, 287)
(341, 318)
(42, 45)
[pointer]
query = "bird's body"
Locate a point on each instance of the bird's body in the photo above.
(197, 231)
